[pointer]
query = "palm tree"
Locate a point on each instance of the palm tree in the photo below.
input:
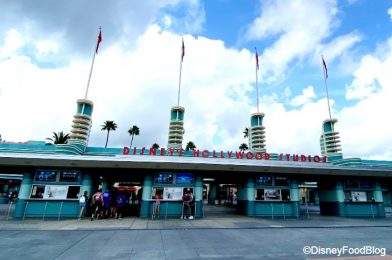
(155, 146)
(190, 146)
(134, 130)
(243, 147)
(59, 138)
(246, 132)
(108, 126)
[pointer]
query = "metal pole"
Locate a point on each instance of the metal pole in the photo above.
(24, 213)
(326, 87)
(306, 203)
(179, 85)
(153, 211)
(167, 204)
(9, 209)
(272, 210)
(61, 207)
(182, 210)
(257, 89)
(43, 216)
(371, 207)
(179, 79)
(194, 215)
(284, 216)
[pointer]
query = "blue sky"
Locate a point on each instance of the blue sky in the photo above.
(46, 50)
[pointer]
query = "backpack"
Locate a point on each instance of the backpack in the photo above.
(82, 199)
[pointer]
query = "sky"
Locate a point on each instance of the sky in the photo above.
(46, 50)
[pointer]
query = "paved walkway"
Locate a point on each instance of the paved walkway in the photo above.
(216, 222)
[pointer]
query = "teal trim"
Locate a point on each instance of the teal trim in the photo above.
(364, 209)
(146, 196)
(294, 191)
(213, 193)
(49, 209)
(250, 189)
(256, 120)
(377, 193)
(198, 188)
(87, 185)
(88, 109)
(24, 193)
(327, 126)
(177, 115)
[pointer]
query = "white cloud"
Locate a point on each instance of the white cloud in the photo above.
(298, 26)
(336, 47)
(307, 95)
(390, 12)
(365, 82)
(367, 124)
(13, 41)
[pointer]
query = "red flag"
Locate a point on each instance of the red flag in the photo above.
(324, 67)
(257, 60)
(99, 41)
(182, 50)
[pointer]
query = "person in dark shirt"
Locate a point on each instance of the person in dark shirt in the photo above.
(120, 205)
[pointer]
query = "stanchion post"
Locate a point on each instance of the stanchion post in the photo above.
(43, 216)
(371, 207)
(9, 209)
(284, 216)
(61, 208)
(24, 212)
(167, 204)
(272, 210)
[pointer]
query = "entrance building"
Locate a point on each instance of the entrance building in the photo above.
(54, 176)
(256, 182)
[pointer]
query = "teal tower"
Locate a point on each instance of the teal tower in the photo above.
(176, 127)
(330, 140)
(257, 133)
(81, 123)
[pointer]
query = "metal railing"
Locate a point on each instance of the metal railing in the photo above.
(45, 210)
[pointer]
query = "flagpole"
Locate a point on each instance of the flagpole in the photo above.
(326, 85)
(92, 66)
(179, 84)
(257, 90)
(179, 78)
(257, 81)
(89, 76)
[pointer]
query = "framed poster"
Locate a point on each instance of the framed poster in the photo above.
(37, 191)
(172, 193)
(55, 192)
(45, 176)
(184, 178)
(272, 194)
(282, 181)
(164, 178)
(69, 176)
(264, 181)
(358, 196)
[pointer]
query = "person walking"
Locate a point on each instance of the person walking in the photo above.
(186, 200)
(82, 204)
(120, 205)
(97, 203)
(157, 205)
